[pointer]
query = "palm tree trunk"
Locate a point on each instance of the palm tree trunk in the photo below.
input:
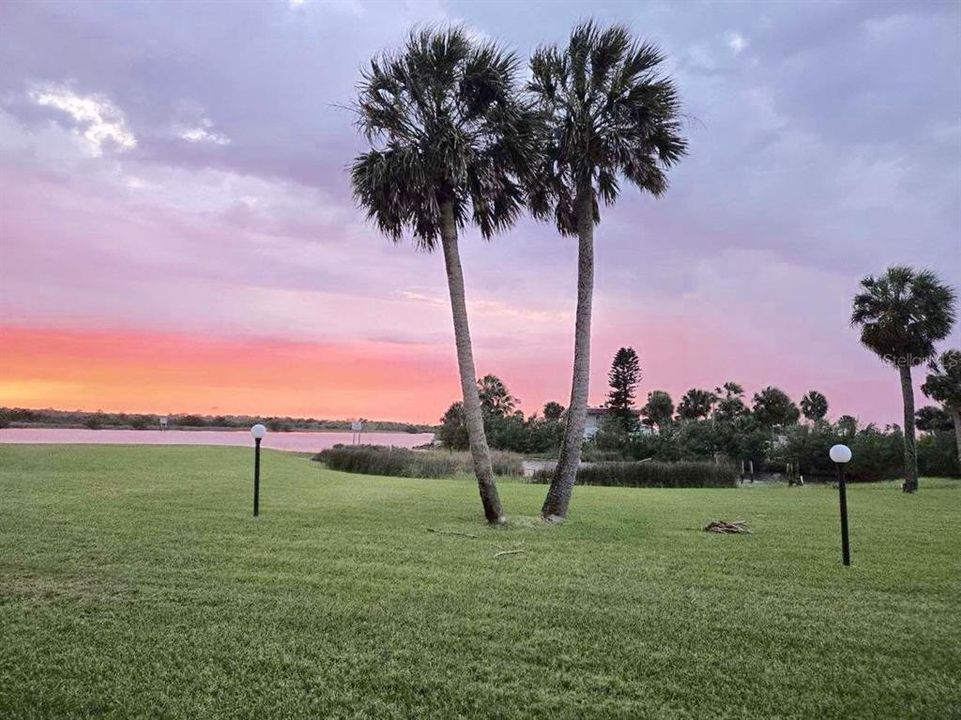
(562, 485)
(910, 445)
(956, 415)
(480, 452)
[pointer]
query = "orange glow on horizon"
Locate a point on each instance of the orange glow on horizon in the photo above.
(136, 371)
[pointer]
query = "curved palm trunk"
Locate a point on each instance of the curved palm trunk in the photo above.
(480, 452)
(562, 485)
(910, 445)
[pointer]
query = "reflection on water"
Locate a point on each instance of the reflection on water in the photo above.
(293, 441)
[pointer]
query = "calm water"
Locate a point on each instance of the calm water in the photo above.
(293, 441)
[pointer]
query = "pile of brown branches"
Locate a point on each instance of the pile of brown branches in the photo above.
(722, 526)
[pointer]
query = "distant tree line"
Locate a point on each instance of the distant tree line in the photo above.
(25, 417)
(794, 448)
(769, 432)
(504, 423)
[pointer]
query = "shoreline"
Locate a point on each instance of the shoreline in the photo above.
(294, 440)
(212, 428)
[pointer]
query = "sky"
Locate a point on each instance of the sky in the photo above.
(177, 232)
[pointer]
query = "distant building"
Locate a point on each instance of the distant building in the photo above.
(163, 422)
(595, 418)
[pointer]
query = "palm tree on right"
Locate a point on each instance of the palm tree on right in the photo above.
(943, 384)
(612, 115)
(902, 314)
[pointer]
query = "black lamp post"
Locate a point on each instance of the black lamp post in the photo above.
(841, 455)
(258, 431)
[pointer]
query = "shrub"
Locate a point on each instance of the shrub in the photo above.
(808, 448)
(651, 474)
(592, 453)
(504, 463)
(938, 455)
(400, 462)
(876, 455)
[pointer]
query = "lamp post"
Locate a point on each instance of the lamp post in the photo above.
(841, 454)
(258, 431)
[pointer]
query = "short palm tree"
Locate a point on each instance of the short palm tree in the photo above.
(814, 406)
(450, 140)
(902, 314)
(943, 384)
(612, 115)
(696, 404)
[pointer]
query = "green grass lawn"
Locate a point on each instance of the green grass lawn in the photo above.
(134, 583)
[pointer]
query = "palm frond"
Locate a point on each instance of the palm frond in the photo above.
(445, 122)
(903, 313)
(610, 112)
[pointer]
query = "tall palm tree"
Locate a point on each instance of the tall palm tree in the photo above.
(612, 115)
(450, 140)
(943, 384)
(902, 314)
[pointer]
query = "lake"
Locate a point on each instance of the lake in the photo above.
(291, 441)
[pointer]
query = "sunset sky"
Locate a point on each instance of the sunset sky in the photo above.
(177, 232)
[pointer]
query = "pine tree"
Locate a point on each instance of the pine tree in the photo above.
(624, 376)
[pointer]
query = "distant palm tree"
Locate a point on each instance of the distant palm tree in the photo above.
(902, 314)
(612, 114)
(450, 141)
(943, 384)
(495, 398)
(814, 406)
(730, 402)
(696, 404)
(658, 410)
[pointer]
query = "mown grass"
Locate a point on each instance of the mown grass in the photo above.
(133, 583)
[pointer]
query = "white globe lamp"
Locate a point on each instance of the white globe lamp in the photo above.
(840, 454)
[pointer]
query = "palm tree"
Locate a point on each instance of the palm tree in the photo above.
(696, 404)
(902, 314)
(659, 409)
(943, 384)
(814, 406)
(495, 398)
(773, 407)
(730, 402)
(611, 115)
(450, 140)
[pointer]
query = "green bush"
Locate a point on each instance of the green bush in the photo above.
(400, 462)
(808, 448)
(504, 463)
(876, 455)
(95, 421)
(651, 474)
(938, 454)
(592, 453)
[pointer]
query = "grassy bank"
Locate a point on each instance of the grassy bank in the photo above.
(400, 462)
(133, 583)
